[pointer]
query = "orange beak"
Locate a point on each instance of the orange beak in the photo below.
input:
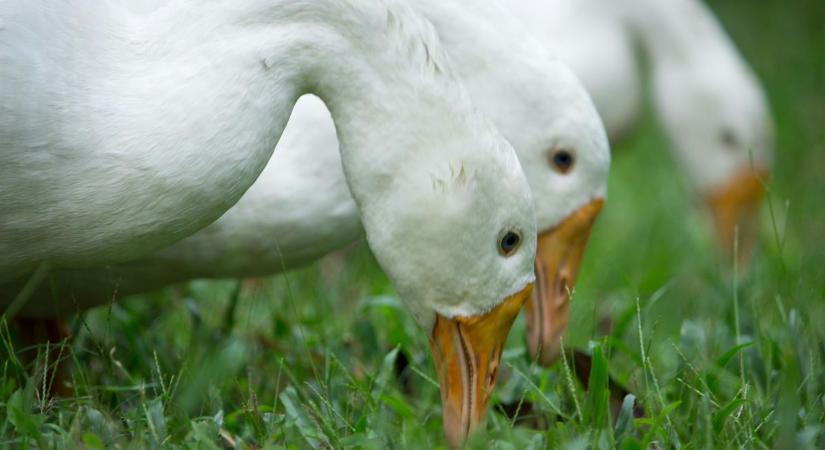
(467, 352)
(736, 204)
(558, 257)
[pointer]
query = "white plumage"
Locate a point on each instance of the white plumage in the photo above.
(707, 99)
(300, 207)
(122, 132)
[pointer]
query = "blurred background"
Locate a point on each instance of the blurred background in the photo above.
(327, 356)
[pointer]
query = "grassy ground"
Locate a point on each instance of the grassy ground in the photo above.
(718, 359)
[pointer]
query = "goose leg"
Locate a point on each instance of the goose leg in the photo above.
(49, 335)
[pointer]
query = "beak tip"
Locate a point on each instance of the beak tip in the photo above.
(736, 205)
(558, 257)
(467, 352)
(454, 433)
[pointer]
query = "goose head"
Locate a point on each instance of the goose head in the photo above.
(545, 112)
(449, 216)
(563, 147)
(717, 119)
(457, 239)
(714, 113)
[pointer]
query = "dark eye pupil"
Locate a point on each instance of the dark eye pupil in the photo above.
(563, 159)
(510, 241)
(728, 138)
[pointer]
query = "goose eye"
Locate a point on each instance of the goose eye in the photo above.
(509, 242)
(728, 138)
(562, 161)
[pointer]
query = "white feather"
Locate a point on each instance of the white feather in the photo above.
(123, 131)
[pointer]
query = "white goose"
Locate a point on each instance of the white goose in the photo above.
(300, 207)
(121, 133)
(709, 102)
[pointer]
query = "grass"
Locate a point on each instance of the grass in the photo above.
(718, 358)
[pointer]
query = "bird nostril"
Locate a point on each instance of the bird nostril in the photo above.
(563, 286)
(491, 377)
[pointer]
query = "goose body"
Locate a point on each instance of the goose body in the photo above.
(299, 209)
(108, 158)
(708, 101)
(124, 131)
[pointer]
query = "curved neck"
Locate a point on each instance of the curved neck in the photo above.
(678, 30)
(491, 49)
(398, 108)
(191, 97)
(502, 64)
